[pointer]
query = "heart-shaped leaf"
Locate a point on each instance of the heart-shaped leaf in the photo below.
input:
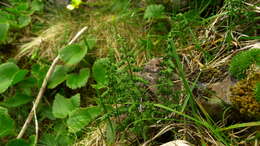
(81, 117)
(7, 73)
(63, 106)
(73, 54)
(78, 80)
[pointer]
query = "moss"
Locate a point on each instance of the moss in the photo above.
(243, 95)
(242, 61)
(257, 92)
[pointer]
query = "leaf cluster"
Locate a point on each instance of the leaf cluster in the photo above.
(16, 15)
(26, 83)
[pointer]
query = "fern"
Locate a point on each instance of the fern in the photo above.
(242, 61)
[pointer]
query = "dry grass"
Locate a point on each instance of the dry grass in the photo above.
(46, 44)
(107, 28)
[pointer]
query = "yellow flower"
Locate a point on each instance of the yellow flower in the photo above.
(74, 4)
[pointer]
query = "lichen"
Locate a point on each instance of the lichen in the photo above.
(243, 95)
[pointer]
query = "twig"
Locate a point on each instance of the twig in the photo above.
(5, 4)
(36, 128)
(43, 87)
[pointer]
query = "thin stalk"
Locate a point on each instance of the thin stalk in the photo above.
(189, 98)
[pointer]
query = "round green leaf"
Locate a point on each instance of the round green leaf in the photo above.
(81, 117)
(73, 54)
(7, 73)
(6, 123)
(78, 80)
(63, 106)
(58, 76)
(99, 70)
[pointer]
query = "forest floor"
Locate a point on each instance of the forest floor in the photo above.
(141, 73)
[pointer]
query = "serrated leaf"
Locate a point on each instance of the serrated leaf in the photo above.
(7, 73)
(78, 80)
(4, 27)
(99, 70)
(73, 54)
(58, 76)
(17, 100)
(154, 11)
(6, 123)
(79, 118)
(63, 106)
(19, 76)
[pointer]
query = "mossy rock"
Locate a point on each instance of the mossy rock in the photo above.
(243, 95)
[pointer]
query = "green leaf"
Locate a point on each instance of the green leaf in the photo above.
(17, 142)
(99, 70)
(154, 11)
(90, 41)
(81, 117)
(7, 73)
(58, 76)
(4, 27)
(17, 100)
(39, 72)
(6, 123)
(19, 76)
(63, 106)
(75, 101)
(78, 80)
(73, 54)
(24, 21)
(37, 5)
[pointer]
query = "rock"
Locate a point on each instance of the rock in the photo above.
(222, 89)
(177, 143)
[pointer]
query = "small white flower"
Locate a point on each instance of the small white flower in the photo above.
(70, 7)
